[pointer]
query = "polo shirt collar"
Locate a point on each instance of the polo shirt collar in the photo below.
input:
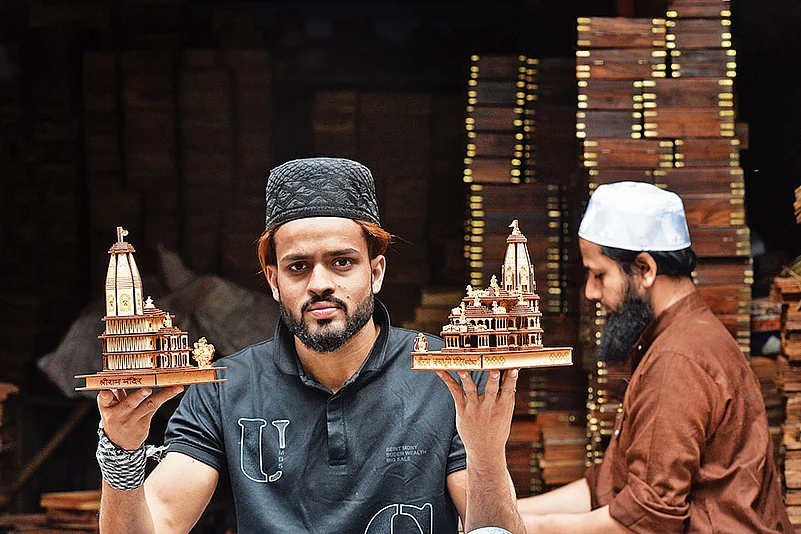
(691, 303)
(286, 357)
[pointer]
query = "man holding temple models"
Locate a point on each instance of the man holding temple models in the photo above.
(691, 451)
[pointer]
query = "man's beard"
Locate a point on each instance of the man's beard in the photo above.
(624, 327)
(328, 338)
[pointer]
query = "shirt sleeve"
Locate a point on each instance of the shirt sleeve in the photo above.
(665, 428)
(194, 429)
(457, 457)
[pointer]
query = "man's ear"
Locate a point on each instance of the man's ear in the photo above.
(645, 267)
(272, 278)
(378, 267)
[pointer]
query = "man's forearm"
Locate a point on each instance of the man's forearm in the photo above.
(596, 522)
(124, 511)
(573, 498)
(491, 499)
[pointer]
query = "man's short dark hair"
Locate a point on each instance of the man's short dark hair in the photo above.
(674, 263)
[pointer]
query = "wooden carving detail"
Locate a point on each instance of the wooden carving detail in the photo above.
(498, 327)
(141, 346)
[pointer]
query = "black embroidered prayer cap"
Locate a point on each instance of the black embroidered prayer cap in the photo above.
(320, 187)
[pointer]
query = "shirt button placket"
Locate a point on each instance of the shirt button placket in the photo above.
(335, 416)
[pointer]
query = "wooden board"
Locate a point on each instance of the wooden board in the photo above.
(619, 32)
(628, 153)
(687, 33)
(718, 63)
(675, 122)
(546, 357)
(597, 124)
(710, 152)
(731, 242)
(596, 93)
(134, 379)
(703, 180)
(714, 210)
(620, 64)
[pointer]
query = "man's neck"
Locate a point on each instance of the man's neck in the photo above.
(668, 290)
(333, 369)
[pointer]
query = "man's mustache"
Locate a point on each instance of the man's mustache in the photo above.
(315, 300)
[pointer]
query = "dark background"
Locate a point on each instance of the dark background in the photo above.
(48, 252)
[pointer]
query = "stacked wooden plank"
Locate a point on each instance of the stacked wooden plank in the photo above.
(68, 511)
(177, 150)
(516, 111)
(251, 74)
(8, 438)
(39, 165)
(656, 105)
(614, 57)
(498, 123)
(787, 290)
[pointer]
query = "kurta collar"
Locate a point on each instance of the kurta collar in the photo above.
(692, 303)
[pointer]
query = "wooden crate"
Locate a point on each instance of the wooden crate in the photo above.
(494, 118)
(715, 63)
(693, 9)
(696, 92)
(496, 93)
(731, 242)
(724, 271)
(499, 66)
(620, 64)
(598, 124)
(482, 144)
(714, 210)
(620, 32)
(701, 33)
(628, 153)
(608, 176)
(674, 122)
(709, 152)
(701, 180)
(493, 171)
(595, 93)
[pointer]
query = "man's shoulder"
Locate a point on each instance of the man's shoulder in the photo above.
(258, 352)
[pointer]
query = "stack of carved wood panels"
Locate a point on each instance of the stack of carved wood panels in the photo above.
(787, 290)
(656, 105)
(177, 150)
(518, 107)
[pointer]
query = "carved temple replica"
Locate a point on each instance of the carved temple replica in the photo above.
(141, 346)
(498, 327)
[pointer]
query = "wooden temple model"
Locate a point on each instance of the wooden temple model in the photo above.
(141, 346)
(498, 327)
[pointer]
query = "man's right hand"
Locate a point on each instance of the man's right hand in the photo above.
(127, 416)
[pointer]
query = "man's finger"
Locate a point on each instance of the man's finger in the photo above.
(106, 399)
(493, 383)
(149, 403)
(453, 386)
(510, 383)
(467, 384)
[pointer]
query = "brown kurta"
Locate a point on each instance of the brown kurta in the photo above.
(691, 451)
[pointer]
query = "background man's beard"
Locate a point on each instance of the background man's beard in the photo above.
(624, 327)
(328, 339)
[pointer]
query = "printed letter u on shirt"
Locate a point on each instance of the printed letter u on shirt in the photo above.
(251, 448)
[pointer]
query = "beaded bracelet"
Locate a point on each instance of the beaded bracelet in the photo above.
(123, 469)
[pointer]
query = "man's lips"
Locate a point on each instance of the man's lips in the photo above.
(322, 310)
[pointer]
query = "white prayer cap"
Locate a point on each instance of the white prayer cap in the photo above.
(635, 216)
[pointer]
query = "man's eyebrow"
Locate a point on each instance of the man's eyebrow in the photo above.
(297, 256)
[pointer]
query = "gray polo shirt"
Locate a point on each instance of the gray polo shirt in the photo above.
(371, 458)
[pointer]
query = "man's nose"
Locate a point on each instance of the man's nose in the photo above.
(320, 282)
(592, 290)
